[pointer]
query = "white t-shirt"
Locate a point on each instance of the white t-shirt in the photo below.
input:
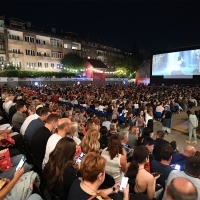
(51, 144)
(26, 122)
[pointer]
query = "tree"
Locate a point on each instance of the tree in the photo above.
(128, 65)
(11, 68)
(72, 62)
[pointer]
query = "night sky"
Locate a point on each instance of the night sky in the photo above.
(152, 25)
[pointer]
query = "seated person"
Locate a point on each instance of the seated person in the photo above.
(115, 156)
(59, 172)
(19, 117)
(163, 166)
(40, 138)
(15, 161)
(93, 174)
(191, 172)
(141, 181)
(124, 139)
(12, 185)
(179, 158)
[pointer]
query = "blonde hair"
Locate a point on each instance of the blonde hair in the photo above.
(90, 141)
(74, 129)
(133, 130)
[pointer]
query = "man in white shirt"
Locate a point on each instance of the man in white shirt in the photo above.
(29, 119)
(64, 126)
(107, 122)
(192, 173)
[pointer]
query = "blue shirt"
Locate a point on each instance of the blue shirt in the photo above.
(179, 159)
(32, 128)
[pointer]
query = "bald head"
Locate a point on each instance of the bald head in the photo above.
(189, 151)
(181, 189)
(64, 124)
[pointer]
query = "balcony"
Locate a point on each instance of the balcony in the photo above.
(15, 41)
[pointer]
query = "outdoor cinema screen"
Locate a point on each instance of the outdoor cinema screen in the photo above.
(182, 63)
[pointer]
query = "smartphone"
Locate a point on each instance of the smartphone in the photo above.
(156, 174)
(177, 167)
(21, 163)
(10, 127)
(79, 159)
(124, 183)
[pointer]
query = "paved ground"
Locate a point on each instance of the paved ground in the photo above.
(175, 135)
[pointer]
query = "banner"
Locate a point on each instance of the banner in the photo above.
(98, 76)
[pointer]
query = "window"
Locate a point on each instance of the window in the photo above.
(52, 65)
(39, 54)
(30, 52)
(39, 64)
(1, 47)
(31, 65)
(45, 54)
(43, 42)
(1, 24)
(46, 65)
(37, 41)
(1, 58)
(29, 39)
(56, 42)
(16, 64)
(65, 46)
(60, 54)
(13, 37)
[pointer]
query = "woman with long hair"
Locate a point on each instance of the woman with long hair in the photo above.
(90, 141)
(141, 181)
(115, 156)
(149, 119)
(59, 172)
(140, 122)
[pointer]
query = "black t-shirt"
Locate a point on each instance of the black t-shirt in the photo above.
(38, 143)
(159, 142)
(68, 178)
(12, 111)
(76, 192)
(164, 169)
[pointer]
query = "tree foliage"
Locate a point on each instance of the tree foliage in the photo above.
(12, 68)
(34, 74)
(127, 66)
(72, 61)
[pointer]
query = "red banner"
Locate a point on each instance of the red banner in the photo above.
(99, 76)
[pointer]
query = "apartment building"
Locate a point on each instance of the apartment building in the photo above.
(21, 45)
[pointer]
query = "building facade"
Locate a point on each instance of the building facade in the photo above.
(21, 45)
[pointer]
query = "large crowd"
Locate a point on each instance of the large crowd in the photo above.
(81, 140)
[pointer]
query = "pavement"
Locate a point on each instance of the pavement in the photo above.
(177, 136)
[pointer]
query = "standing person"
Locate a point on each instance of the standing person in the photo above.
(166, 120)
(133, 137)
(140, 122)
(193, 124)
(149, 120)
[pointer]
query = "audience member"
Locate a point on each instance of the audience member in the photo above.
(133, 137)
(159, 142)
(179, 158)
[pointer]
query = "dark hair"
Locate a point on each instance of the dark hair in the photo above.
(139, 156)
(114, 146)
(179, 194)
(197, 153)
(166, 152)
(59, 159)
(52, 118)
(161, 134)
(20, 104)
(146, 132)
(173, 145)
(38, 111)
(44, 111)
(103, 130)
(189, 112)
(148, 141)
(192, 166)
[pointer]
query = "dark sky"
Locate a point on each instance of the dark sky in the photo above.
(152, 25)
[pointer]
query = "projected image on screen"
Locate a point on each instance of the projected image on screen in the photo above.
(177, 63)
